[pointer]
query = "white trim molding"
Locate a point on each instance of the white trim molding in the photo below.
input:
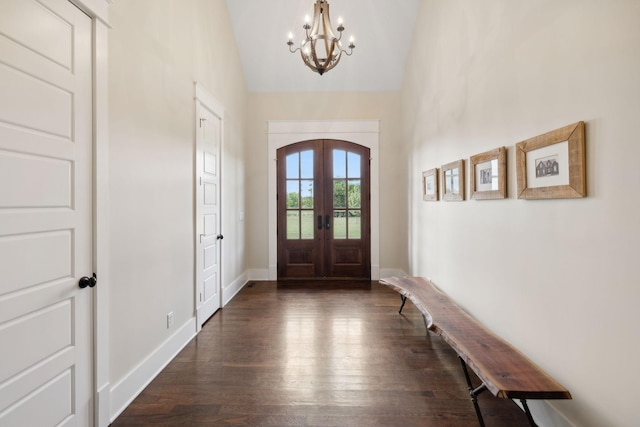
(392, 272)
(101, 225)
(231, 290)
(362, 132)
(209, 100)
(98, 11)
(123, 393)
(258, 274)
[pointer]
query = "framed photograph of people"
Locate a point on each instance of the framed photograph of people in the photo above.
(552, 165)
(452, 177)
(430, 185)
(488, 178)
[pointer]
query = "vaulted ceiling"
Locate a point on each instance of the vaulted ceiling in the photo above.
(382, 29)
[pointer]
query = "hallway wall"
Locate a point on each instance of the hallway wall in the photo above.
(158, 49)
(556, 278)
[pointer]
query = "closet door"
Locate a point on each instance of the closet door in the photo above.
(208, 221)
(45, 214)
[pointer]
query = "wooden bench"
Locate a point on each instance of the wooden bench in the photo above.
(503, 370)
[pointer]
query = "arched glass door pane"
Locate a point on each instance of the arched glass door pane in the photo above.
(347, 195)
(300, 195)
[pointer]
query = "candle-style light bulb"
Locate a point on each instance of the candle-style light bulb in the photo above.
(290, 36)
(352, 45)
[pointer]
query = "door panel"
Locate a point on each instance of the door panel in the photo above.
(298, 232)
(208, 237)
(323, 210)
(45, 213)
(347, 202)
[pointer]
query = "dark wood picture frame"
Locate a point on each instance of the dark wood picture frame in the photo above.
(496, 179)
(574, 165)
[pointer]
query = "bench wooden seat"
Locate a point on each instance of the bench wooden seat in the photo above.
(503, 370)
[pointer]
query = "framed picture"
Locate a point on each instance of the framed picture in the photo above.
(488, 178)
(453, 181)
(552, 165)
(430, 185)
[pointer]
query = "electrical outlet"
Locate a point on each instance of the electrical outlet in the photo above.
(169, 319)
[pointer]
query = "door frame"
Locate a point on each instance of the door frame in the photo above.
(98, 11)
(363, 132)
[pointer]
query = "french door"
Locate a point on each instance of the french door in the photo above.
(324, 210)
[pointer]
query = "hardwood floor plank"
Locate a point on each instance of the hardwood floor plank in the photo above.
(315, 354)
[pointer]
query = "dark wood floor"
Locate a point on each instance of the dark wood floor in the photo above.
(323, 354)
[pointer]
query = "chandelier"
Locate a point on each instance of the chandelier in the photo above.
(321, 49)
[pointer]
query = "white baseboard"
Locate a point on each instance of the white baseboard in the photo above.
(545, 414)
(375, 272)
(126, 390)
(103, 406)
(391, 272)
(258, 274)
(231, 290)
(236, 286)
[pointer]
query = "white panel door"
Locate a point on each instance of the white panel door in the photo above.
(208, 235)
(45, 214)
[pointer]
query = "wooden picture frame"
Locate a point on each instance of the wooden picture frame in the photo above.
(452, 178)
(488, 175)
(552, 165)
(430, 189)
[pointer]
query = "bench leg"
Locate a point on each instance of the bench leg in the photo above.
(404, 300)
(528, 412)
(474, 392)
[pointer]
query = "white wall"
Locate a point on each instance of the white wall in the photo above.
(556, 278)
(157, 50)
(384, 106)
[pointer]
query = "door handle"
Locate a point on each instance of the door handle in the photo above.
(88, 281)
(319, 222)
(219, 237)
(328, 225)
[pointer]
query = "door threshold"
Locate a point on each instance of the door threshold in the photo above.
(324, 284)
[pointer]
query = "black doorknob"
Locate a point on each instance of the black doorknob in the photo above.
(219, 237)
(88, 281)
